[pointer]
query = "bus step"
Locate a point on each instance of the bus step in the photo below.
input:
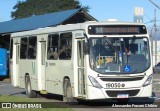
(43, 92)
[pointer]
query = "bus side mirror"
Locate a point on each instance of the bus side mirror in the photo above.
(85, 48)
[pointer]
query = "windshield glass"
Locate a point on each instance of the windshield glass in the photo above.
(119, 55)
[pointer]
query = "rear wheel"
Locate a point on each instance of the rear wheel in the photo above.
(68, 97)
(29, 91)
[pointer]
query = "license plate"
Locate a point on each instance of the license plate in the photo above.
(122, 96)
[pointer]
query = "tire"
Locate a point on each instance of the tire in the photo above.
(29, 91)
(67, 96)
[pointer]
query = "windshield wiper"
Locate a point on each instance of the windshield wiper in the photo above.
(109, 43)
(111, 46)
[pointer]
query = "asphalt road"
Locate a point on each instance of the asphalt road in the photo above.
(7, 89)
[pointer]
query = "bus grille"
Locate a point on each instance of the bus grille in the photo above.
(129, 92)
(122, 79)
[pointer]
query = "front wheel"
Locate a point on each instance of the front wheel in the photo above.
(29, 91)
(68, 97)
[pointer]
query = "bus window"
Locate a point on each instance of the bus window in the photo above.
(65, 48)
(32, 47)
(23, 49)
(53, 46)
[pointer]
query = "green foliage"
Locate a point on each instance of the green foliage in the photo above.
(37, 7)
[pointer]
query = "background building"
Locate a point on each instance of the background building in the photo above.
(138, 14)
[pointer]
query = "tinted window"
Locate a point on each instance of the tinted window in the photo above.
(32, 46)
(23, 49)
(65, 48)
(53, 46)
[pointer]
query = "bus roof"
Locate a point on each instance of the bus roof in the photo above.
(69, 27)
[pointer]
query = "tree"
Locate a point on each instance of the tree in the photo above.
(37, 7)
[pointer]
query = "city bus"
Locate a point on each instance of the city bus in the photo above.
(3, 63)
(83, 61)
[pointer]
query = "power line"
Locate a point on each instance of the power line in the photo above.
(147, 16)
(154, 4)
(151, 21)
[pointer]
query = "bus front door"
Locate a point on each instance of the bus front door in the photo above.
(81, 72)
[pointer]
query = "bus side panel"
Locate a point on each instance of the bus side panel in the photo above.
(28, 67)
(28, 61)
(55, 75)
(56, 70)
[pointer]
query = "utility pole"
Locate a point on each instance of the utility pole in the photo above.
(155, 36)
(155, 28)
(151, 44)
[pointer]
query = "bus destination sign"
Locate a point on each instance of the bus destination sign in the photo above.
(118, 29)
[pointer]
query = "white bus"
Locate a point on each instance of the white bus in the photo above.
(89, 61)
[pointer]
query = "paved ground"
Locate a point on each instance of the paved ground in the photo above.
(156, 76)
(7, 89)
(156, 83)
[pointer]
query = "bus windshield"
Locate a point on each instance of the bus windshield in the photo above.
(119, 55)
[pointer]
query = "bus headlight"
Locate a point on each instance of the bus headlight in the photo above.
(148, 81)
(94, 82)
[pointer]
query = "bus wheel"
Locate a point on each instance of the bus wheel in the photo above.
(68, 97)
(29, 91)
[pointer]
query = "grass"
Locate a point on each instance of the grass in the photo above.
(22, 100)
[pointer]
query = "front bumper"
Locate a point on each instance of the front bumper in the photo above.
(103, 93)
